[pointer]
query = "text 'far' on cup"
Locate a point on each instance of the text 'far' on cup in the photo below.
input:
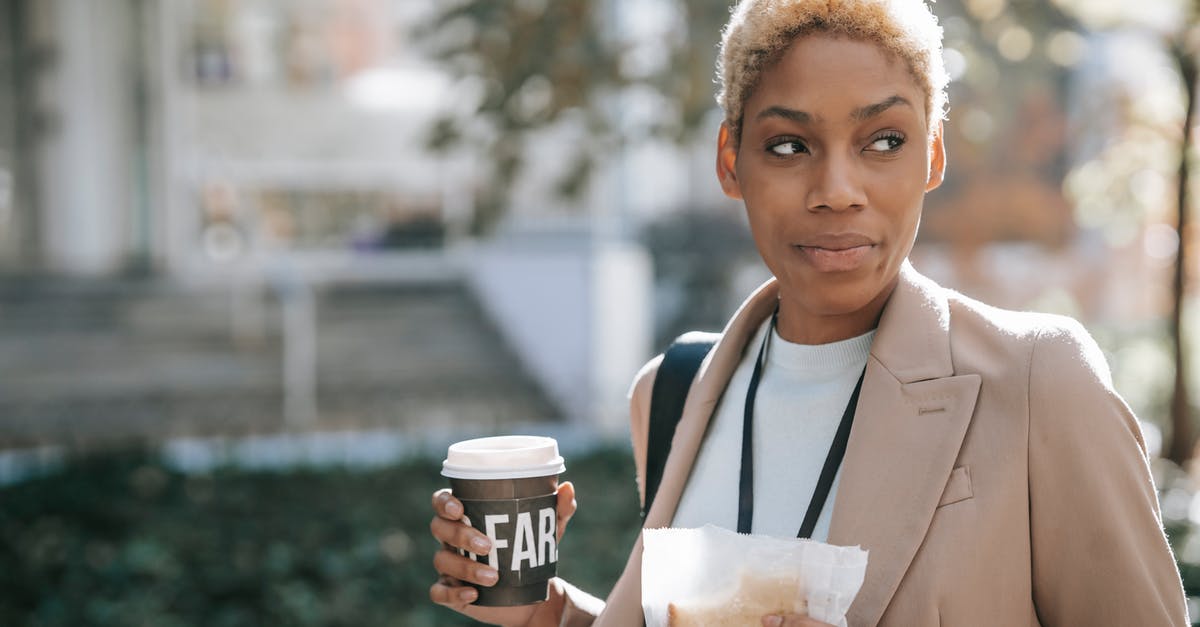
(507, 487)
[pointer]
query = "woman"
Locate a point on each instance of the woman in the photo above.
(991, 471)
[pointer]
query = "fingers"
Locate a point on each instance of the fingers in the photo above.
(451, 564)
(566, 506)
(451, 593)
(448, 529)
(455, 569)
(446, 506)
(459, 536)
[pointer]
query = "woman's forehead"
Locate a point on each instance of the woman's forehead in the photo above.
(821, 77)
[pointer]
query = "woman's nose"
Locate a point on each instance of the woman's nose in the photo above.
(837, 186)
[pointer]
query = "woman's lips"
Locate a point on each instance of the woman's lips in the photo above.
(836, 253)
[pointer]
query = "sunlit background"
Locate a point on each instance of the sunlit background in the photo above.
(261, 260)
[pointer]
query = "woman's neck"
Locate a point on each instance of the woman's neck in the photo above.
(799, 325)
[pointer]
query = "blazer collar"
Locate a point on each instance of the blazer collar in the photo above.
(912, 415)
(913, 341)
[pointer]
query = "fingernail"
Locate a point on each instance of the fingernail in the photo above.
(773, 621)
(481, 545)
(453, 508)
(468, 595)
(486, 576)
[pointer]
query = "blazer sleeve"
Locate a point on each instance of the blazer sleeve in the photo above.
(582, 609)
(1099, 553)
(639, 420)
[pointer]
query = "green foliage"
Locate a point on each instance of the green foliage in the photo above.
(529, 65)
(121, 540)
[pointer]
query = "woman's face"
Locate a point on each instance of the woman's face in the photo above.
(833, 165)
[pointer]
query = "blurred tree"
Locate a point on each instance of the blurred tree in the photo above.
(523, 65)
(528, 65)
(1185, 50)
(1175, 25)
(689, 77)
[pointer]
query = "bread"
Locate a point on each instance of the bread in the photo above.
(755, 597)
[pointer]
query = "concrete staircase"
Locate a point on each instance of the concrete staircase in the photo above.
(98, 364)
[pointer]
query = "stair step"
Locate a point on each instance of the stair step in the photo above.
(101, 364)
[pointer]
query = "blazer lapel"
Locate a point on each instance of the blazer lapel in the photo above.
(912, 416)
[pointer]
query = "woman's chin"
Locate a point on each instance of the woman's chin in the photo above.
(833, 299)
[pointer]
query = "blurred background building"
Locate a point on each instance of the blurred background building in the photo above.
(223, 218)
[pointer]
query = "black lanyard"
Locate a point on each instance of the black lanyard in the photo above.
(837, 450)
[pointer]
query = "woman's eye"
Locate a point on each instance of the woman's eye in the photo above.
(788, 148)
(889, 143)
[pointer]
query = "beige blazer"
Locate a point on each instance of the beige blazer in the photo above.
(993, 474)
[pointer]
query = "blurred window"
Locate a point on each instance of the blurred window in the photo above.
(306, 123)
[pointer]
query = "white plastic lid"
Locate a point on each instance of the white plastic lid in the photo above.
(503, 457)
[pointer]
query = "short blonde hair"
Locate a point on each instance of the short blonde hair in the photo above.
(760, 31)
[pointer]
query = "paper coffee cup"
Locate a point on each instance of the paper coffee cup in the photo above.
(507, 487)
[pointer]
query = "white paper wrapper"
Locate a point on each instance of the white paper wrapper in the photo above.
(715, 577)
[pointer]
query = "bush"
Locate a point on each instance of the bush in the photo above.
(122, 540)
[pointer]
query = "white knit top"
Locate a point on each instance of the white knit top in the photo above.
(801, 397)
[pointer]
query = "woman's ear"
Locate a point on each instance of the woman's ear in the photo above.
(727, 163)
(937, 160)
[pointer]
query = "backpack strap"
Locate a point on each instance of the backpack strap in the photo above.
(671, 385)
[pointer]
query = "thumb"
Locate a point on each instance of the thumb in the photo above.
(566, 505)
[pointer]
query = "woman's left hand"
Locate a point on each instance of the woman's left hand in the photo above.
(791, 620)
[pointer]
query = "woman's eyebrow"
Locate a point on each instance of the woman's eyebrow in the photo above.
(870, 111)
(860, 114)
(777, 111)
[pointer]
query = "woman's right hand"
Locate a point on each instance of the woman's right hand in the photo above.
(456, 572)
